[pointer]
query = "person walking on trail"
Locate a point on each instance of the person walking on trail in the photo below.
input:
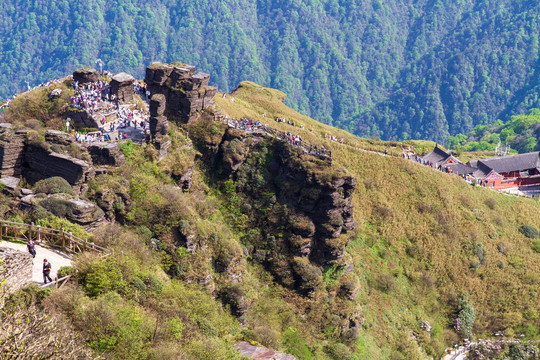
(46, 271)
(31, 247)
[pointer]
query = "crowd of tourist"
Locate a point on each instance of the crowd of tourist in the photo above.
(142, 90)
(94, 96)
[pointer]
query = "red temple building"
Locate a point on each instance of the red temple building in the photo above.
(506, 172)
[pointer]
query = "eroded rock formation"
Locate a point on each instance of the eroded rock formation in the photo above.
(12, 145)
(122, 87)
(159, 125)
(40, 164)
(104, 153)
(185, 91)
(84, 76)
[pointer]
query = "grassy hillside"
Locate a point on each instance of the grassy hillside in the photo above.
(184, 280)
(424, 239)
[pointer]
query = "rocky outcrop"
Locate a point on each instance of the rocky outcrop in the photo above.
(76, 210)
(104, 153)
(84, 76)
(81, 119)
(186, 92)
(159, 125)
(261, 353)
(40, 164)
(306, 207)
(122, 87)
(16, 269)
(12, 145)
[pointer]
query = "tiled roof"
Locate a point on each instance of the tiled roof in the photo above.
(460, 168)
(436, 156)
(519, 162)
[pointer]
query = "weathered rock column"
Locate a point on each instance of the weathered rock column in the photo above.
(159, 126)
(11, 151)
(122, 87)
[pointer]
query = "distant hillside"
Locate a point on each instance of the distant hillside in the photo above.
(521, 133)
(411, 69)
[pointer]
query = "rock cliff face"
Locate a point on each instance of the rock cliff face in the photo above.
(323, 198)
(302, 206)
(185, 91)
(40, 164)
(104, 153)
(11, 151)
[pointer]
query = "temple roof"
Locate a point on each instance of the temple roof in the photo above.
(436, 156)
(460, 168)
(519, 162)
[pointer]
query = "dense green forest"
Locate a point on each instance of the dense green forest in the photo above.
(521, 133)
(410, 69)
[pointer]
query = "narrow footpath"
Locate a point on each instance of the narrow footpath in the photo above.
(56, 258)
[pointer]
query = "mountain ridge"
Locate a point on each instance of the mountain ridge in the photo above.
(418, 69)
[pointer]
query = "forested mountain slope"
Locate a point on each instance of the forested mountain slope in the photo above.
(409, 69)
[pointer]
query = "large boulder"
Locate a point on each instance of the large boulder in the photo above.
(76, 210)
(84, 76)
(122, 87)
(81, 119)
(103, 153)
(157, 74)
(261, 353)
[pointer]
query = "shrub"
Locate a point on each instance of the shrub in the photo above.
(491, 203)
(127, 148)
(296, 345)
(206, 327)
(58, 207)
(266, 336)
(339, 351)
(466, 317)
(384, 283)
(65, 271)
(309, 276)
(370, 183)
(54, 185)
(102, 276)
(175, 328)
(536, 246)
(530, 231)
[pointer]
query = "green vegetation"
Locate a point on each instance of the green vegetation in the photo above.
(53, 185)
(417, 69)
(521, 133)
(195, 271)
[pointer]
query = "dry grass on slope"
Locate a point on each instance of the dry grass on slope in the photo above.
(423, 237)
